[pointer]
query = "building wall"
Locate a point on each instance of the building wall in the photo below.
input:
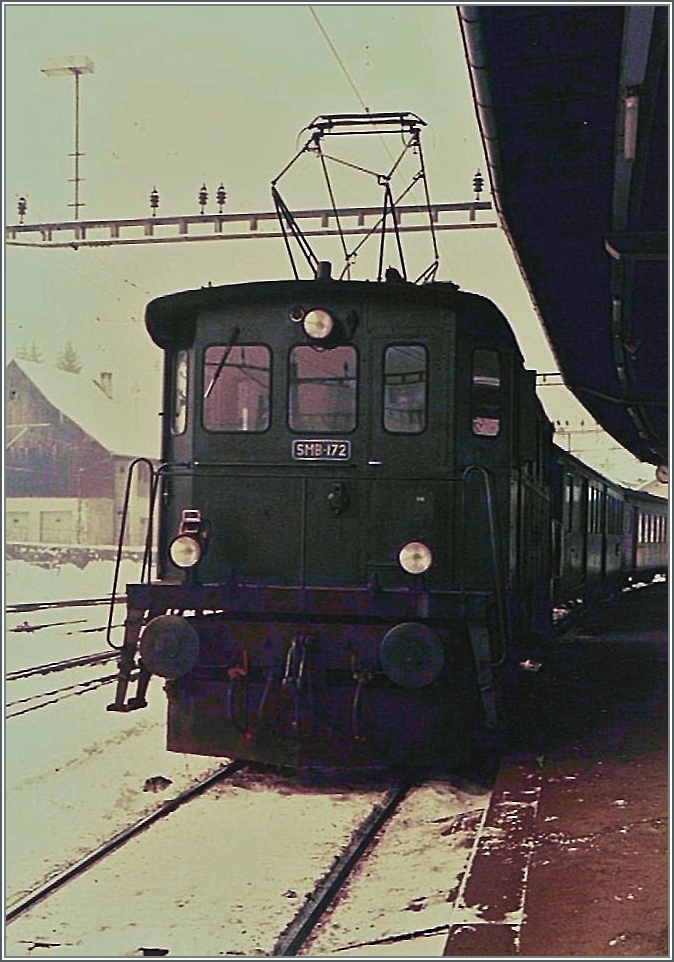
(59, 521)
(82, 521)
(62, 486)
(138, 509)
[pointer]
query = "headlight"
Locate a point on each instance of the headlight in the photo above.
(185, 551)
(318, 324)
(415, 558)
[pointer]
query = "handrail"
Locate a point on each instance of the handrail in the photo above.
(147, 553)
(504, 629)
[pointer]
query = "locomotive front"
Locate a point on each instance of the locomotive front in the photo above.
(311, 602)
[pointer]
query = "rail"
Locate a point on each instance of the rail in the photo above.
(82, 661)
(319, 901)
(79, 867)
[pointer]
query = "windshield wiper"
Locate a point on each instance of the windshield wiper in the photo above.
(223, 360)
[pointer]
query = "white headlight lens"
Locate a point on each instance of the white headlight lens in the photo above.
(318, 324)
(185, 551)
(415, 558)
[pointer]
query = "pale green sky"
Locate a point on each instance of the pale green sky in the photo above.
(188, 93)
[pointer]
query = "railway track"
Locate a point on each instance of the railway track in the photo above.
(41, 699)
(34, 702)
(293, 934)
(96, 658)
(318, 902)
(49, 605)
(57, 882)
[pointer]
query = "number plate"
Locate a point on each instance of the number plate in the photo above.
(317, 449)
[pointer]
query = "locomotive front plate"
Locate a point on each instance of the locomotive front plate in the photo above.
(317, 449)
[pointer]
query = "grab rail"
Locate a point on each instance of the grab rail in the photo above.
(147, 553)
(504, 629)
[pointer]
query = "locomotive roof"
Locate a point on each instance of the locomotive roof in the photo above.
(171, 319)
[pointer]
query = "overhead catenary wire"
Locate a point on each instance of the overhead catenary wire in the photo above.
(342, 66)
(339, 60)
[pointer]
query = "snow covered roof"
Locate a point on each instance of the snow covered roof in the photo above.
(128, 425)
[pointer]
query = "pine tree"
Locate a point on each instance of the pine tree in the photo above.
(69, 360)
(31, 353)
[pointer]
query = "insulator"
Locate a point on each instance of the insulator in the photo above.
(22, 207)
(203, 197)
(478, 184)
(221, 196)
(154, 199)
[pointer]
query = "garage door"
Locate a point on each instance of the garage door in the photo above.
(56, 527)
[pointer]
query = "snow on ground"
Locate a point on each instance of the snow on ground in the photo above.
(58, 633)
(27, 583)
(399, 902)
(75, 774)
(221, 876)
(225, 874)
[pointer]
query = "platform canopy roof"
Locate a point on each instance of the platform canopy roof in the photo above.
(572, 103)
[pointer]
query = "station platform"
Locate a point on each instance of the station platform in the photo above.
(572, 860)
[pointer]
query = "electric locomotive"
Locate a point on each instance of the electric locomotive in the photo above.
(354, 485)
(363, 522)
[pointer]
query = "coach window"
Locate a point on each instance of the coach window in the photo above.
(594, 519)
(322, 389)
(405, 388)
(486, 395)
(567, 507)
(236, 387)
(179, 392)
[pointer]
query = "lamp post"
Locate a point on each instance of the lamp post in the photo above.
(74, 67)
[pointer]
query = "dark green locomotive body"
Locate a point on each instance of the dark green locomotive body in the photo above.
(361, 520)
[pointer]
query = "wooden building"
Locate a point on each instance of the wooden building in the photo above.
(68, 445)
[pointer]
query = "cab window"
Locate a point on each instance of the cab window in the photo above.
(405, 388)
(322, 389)
(179, 393)
(236, 387)
(486, 393)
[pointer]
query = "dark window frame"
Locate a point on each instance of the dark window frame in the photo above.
(398, 345)
(488, 402)
(178, 432)
(355, 413)
(236, 432)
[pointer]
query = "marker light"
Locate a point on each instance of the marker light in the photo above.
(415, 558)
(318, 324)
(185, 551)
